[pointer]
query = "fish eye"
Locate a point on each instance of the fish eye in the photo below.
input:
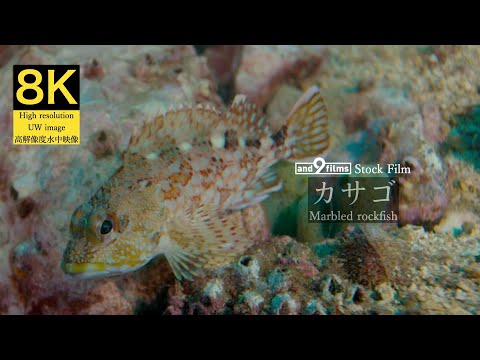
(103, 227)
(106, 227)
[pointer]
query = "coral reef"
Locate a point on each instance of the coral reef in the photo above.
(444, 75)
(366, 272)
(413, 105)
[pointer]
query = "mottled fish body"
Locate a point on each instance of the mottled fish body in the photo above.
(185, 177)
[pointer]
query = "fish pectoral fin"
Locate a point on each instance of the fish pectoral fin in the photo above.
(205, 238)
(257, 191)
(185, 264)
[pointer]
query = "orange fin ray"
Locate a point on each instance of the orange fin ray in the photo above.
(257, 191)
(205, 238)
(167, 129)
(246, 119)
(307, 128)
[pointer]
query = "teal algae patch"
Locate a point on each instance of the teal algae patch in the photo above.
(464, 138)
(326, 249)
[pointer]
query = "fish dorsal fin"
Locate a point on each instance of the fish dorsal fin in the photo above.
(182, 126)
(205, 238)
(307, 127)
(246, 119)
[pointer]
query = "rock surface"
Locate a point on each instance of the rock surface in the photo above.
(413, 105)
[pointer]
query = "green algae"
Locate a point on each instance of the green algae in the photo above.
(286, 221)
(464, 138)
(325, 249)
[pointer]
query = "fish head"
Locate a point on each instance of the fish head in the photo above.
(106, 238)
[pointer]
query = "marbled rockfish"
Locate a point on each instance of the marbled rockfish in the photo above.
(185, 177)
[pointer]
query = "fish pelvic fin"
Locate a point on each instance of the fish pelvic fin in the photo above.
(306, 132)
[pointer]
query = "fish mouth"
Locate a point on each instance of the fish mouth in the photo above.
(94, 270)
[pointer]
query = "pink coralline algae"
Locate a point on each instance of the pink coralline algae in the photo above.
(361, 109)
(424, 192)
(6, 52)
(93, 70)
(263, 68)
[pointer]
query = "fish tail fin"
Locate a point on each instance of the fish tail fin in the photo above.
(306, 132)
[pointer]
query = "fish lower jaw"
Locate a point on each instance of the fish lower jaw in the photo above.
(94, 270)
